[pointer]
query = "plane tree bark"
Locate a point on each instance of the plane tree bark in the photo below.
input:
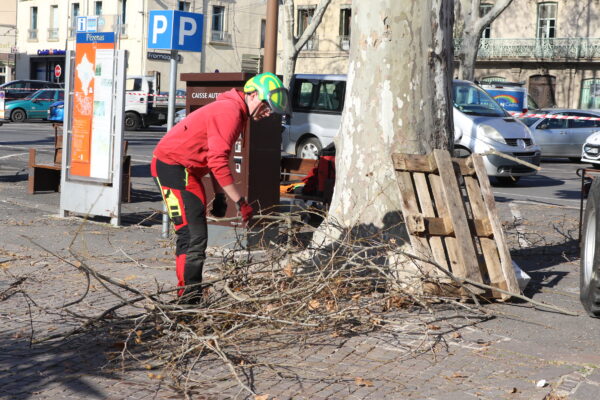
(468, 28)
(398, 99)
(292, 44)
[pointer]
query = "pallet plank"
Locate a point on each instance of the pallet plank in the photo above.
(488, 198)
(488, 246)
(425, 200)
(409, 206)
(414, 162)
(468, 267)
(452, 247)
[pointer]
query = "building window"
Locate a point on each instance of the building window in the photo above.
(546, 28)
(218, 24)
(304, 17)
(590, 94)
(97, 8)
(123, 16)
(53, 30)
(484, 9)
(345, 14)
(263, 32)
(74, 15)
(33, 23)
(183, 6)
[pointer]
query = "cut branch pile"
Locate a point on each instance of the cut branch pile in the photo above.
(351, 286)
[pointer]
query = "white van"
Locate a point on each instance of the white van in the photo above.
(480, 124)
(317, 104)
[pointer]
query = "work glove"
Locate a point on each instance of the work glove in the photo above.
(219, 205)
(245, 209)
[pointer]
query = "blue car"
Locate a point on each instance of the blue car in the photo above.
(56, 111)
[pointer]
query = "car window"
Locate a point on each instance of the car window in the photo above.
(319, 95)
(582, 123)
(133, 84)
(529, 121)
(303, 94)
(61, 95)
(44, 95)
(37, 85)
(15, 85)
(550, 123)
(329, 97)
(472, 100)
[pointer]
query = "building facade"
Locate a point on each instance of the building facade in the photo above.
(327, 50)
(233, 35)
(8, 40)
(551, 46)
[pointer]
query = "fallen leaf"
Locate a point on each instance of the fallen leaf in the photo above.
(433, 327)
(363, 382)
(331, 306)
(456, 335)
(313, 304)
(261, 397)
(129, 278)
(288, 270)
(138, 333)
(458, 375)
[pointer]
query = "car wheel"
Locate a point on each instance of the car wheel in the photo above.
(18, 115)
(589, 282)
(133, 122)
(461, 152)
(508, 180)
(309, 148)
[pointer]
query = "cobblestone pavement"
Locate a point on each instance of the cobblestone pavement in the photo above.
(502, 358)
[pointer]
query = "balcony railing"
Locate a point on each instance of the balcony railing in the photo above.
(557, 48)
(345, 42)
(312, 44)
(53, 33)
(32, 34)
(220, 37)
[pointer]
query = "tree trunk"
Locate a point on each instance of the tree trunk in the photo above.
(469, 27)
(289, 52)
(398, 100)
(467, 57)
(293, 45)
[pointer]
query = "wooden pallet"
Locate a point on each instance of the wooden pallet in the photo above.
(451, 218)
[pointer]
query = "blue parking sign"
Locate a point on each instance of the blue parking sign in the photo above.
(175, 30)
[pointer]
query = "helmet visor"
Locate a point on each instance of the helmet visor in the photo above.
(278, 100)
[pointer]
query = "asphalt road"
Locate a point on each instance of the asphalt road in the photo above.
(556, 183)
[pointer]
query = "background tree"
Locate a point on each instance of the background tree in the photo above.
(292, 44)
(397, 100)
(469, 26)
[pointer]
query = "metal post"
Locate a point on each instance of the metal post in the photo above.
(170, 118)
(271, 36)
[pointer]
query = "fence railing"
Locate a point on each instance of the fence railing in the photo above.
(557, 48)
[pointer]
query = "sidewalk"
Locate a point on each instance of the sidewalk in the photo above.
(501, 358)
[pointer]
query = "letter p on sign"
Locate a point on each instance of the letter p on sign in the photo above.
(175, 30)
(159, 26)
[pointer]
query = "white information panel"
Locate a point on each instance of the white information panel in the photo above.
(96, 198)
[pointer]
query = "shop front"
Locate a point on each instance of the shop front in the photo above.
(43, 65)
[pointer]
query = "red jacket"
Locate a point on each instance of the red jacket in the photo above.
(203, 140)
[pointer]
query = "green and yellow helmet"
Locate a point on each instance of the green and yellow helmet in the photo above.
(270, 89)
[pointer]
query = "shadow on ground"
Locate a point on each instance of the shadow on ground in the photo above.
(71, 366)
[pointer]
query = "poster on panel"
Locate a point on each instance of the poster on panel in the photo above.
(91, 146)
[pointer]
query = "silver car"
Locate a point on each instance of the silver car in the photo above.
(563, 137)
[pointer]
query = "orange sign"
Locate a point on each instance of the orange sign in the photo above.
(83, 98)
